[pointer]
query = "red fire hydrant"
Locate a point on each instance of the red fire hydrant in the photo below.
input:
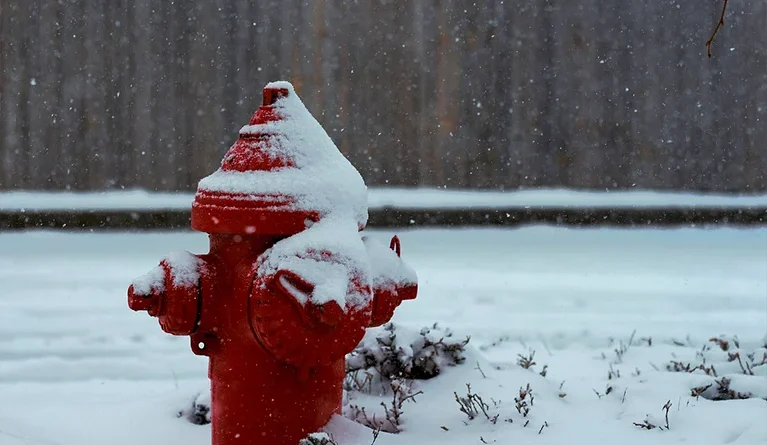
(289, 284)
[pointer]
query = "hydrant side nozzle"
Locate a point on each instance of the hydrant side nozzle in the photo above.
(139, 302)
(409, 292)
(179, 308)
(171, 292)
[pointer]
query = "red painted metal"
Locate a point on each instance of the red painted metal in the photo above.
(276, 366)
(387, 297)
(230, 212)
(395, 245)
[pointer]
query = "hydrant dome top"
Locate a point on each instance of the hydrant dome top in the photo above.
(283, 170)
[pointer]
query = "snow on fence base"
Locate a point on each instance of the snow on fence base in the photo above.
(397, 217)
(398, 207)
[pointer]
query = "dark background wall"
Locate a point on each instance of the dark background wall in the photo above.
(495, 94)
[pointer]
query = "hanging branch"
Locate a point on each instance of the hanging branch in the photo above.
(718, 25)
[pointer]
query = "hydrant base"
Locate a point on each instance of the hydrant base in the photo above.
(275, 411)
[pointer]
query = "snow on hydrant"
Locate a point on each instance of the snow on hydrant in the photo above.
(290, 282)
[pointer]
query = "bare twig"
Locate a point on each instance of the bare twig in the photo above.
(724, 392)
(696, 392)
(318, 439)
(645, 425)
(667, 407)
(522, 405)
(376, 433)
(401, 393)
(526, 362)
(716, 30)
(472, 405)
(723, 344)
(622, 348)
(676, 366)
(478, 368)
(747, 368)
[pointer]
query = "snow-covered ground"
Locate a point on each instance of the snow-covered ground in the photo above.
(77, 367)
(418, 198)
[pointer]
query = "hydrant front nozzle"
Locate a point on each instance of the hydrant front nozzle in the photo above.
(293, 285)
(329, 314)
(142, 302)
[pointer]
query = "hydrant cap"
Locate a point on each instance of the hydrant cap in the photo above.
(282, 174)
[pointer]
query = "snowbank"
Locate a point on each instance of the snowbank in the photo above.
(77, 367)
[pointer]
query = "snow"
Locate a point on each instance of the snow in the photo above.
(151, 282)
(317, 175)
(184, 268)
(107, 200)
(307, 167)
(554, 198)
(387, 269)
(77, 367)
(572, 403)
(404, 198)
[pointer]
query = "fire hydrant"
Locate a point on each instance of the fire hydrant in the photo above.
(290, 282)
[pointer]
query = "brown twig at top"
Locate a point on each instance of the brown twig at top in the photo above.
(718, 25)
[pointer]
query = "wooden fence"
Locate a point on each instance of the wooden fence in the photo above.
(494, 94)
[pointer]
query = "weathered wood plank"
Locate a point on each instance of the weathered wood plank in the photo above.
(589, 94)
